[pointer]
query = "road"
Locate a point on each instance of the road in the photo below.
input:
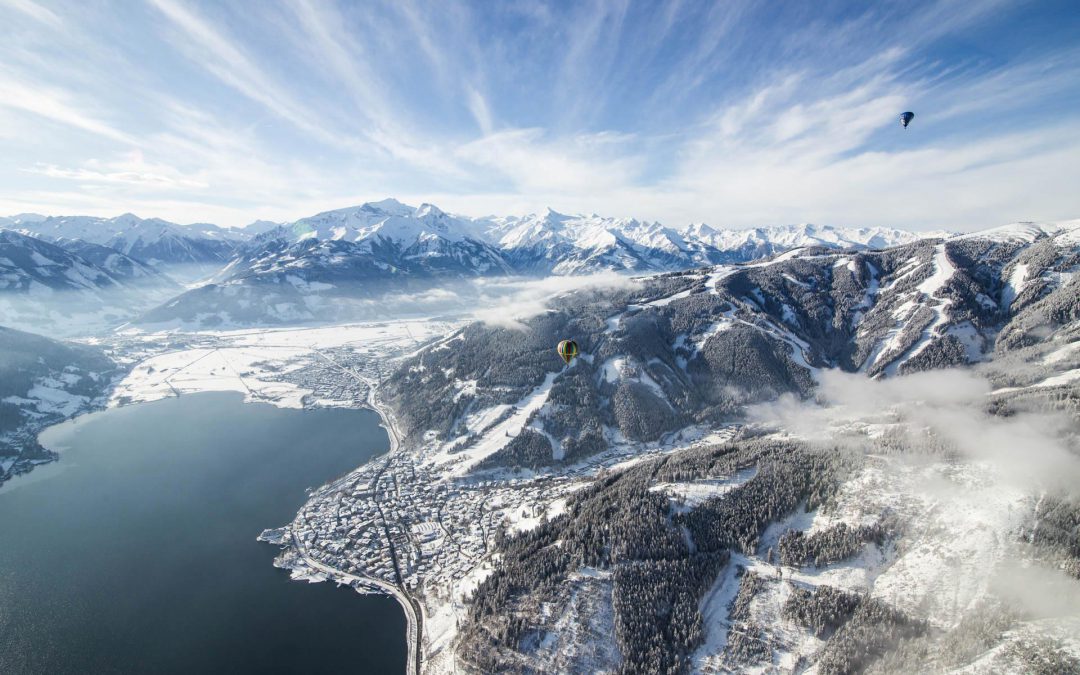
(412, 609)
(414, 613)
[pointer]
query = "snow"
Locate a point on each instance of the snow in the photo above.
(663, 302)
(714, 613)
(1014, 286)
(718, 274)
(248, 361)
(612, 322)
(943, 271)
(1066, 377)
(558, 452)
(1027, 232)
(53, 399)
(442, 615)
(969, 337)
(1061, 354)
(496, 436)
(961, 528)
(804, 235)
(222, 369)
(612, 369)
(685, 496)
(961, 520)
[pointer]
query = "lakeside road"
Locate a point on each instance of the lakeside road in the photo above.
(414, 614)
(412, 609)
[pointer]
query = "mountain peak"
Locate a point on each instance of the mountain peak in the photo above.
(427, 209)
(698, 230)
(551, 215)
(27, 218)
(389, 206)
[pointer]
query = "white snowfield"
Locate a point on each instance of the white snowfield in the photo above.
(497, 436)
(1067, 232)
(394, 221)
(248, 361)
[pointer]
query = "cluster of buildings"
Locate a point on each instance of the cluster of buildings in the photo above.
(406, 523)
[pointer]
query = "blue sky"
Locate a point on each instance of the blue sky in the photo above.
(733, 113)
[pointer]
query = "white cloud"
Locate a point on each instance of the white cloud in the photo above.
(509, 302)
(1026, 449)
(34, 11)
(54, 104)
(131, 170)
(220, 55)
(480, 111)
(406, 100)
(575, 165)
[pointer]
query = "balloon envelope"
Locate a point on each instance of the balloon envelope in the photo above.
(567, 349)
(905, 118)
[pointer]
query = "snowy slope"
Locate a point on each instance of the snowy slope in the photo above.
(558, 243)
(151, 240)
(33, 266)
(72, 289)
(43, 381)
(761, 241)
(387, 219)
(943, 491)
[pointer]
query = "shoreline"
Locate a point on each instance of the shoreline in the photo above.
(31, 433)
(410, 605)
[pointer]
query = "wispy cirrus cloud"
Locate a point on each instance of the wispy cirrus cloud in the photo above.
(730, 113)
(34, 10)
(56, 105)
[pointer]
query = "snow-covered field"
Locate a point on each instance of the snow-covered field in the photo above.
(252, 361)
(240, 369)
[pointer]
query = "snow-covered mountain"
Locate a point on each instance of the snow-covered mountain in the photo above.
(72, 287)
(312, 269)
(566, 244)
(257, 227)
(406, 241)
(153, 241)
(33, 266)
(556, 243)
(748, 469)
(386, 235)
(762, 242)
(42, 382)
(117, 264)
(388, 219)
(708, 340)
(296, 271)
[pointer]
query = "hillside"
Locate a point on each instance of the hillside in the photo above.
(153, 241)
(857, 461)
(698, 345)
(43, 382)
(73, 288)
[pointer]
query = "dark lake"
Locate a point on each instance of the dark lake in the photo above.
(136, 552)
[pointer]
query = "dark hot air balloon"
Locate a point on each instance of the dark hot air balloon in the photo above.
(905, 118)
(567, 349)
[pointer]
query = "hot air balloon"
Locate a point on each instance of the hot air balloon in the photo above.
(567, 349)
(905, 118)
